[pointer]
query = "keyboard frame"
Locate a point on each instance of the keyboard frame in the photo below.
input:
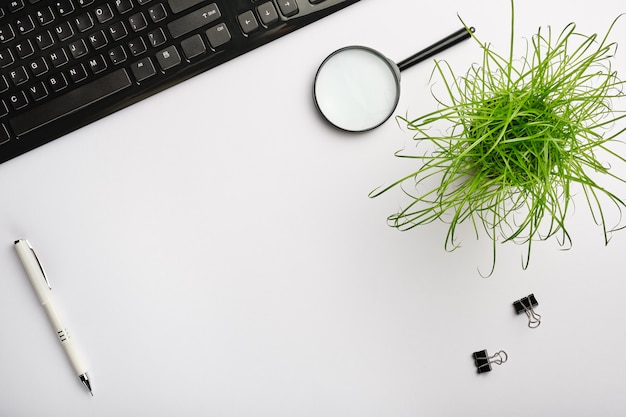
(239, 44)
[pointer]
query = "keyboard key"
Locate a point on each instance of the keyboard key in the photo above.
(248, 22)
(123, 6)
(267, 13)
(168, 58)
(137, 46)
(118, 31)
(193, 47)
(157, 37)
(117, 55)
(143, 69)
(78, 48)
(70, 102)
(44, 40)
(4, 109)
(18, 100)
(64, 31)
(194, 20)
(24, 49)
(157, 13)
(97, 64)
(218, 35)
(4, 84)
(4, 134)
(15, 5)
(38, 91)
(25, 25)
(83, 22)
(137, 22)
(64, 7)
(288, 7)
(18, 76)
(103, 13)
(58, 57)
(77, 73)
(6, 58)
(98, 39)
(38, 67)
(178, 6)
(6, 33)
(45, 16)
(58, 82)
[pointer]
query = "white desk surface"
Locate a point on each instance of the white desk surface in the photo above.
(214, 252)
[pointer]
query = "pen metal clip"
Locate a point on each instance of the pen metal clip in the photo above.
(43, 272)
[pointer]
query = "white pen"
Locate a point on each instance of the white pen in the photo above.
(42, 287)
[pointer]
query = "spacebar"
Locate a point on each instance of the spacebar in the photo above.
(70, 102)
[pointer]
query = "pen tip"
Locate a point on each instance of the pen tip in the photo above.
(85, 380)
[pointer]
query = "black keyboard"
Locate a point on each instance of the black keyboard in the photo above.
(67, 63)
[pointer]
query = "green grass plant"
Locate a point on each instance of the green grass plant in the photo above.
(514, 141)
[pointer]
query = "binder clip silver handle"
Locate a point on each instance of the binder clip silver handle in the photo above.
(526, 305)
(483, 361)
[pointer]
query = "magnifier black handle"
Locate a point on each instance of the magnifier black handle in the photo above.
(443, 44)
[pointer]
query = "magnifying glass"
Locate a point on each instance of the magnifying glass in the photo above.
(357, 88)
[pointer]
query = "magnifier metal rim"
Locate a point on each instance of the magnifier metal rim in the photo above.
(393, 68)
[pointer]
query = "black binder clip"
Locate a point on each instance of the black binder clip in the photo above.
(525, 305)
(483, 361)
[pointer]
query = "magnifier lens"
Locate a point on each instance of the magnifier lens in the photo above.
(357, 88)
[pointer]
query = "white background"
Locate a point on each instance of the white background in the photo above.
(214, 252)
